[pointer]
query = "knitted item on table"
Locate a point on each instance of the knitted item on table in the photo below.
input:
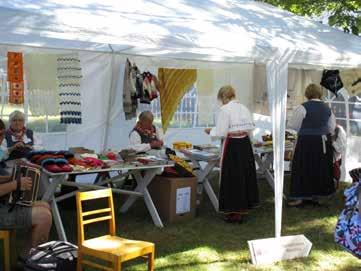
(16, 78)
(69, 77)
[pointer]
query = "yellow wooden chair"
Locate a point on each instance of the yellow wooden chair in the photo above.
(5, 237)
(109, 248)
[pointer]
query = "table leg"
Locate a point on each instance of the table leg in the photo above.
(152, 210)
(202, 178)
(58, 221)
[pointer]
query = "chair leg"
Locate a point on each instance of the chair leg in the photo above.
(117, 265)
(7, 253)
(151, 261)
(79, 262)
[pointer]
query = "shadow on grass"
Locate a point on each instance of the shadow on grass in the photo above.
(207, 240)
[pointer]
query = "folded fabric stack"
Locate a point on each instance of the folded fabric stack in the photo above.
(52, 161)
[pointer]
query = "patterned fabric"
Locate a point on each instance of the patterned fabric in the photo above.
(16, 78)
(42, 84)
(355, 174)
(130, 102)
(69, 77)
(174, 83)
(348, 228)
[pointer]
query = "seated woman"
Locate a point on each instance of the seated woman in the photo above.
(145, 136)
(36, 218)
(20, 140)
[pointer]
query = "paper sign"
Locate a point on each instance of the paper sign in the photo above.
(183, 204)
(267, 251)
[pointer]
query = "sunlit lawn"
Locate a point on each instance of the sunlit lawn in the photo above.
(208, 243)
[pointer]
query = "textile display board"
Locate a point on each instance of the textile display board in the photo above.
(15, 78)
(174, 83)
(69, 75)
(42, 83)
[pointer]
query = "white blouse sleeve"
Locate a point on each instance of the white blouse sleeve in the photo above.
(331, 125)
(296, 120)
(222, 125)
(136, 143)
(159, 133)
(4, 150)
(340, 143)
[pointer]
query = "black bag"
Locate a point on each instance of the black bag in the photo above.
(52, 256)
(331, 80)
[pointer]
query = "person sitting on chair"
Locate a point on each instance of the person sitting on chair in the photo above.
(20, 140)
(145, 136)
(36, 218)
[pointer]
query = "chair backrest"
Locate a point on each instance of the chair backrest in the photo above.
(97, 215)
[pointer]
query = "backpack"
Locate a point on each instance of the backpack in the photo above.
(52, 256)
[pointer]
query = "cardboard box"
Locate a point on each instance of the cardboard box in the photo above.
(174, 198)
(80, 150)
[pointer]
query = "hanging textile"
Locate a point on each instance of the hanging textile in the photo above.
(206, 96)
(43, 102)
(174, 83)
(42, 83)
(3, 88)
(69, 77)
(130, 102)
(150, 90)
(16, 78)
(352, 81)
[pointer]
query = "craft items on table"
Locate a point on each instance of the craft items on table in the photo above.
(15, 77)
(173, 84)
(180, 145)
(69, 74)
(52, 161)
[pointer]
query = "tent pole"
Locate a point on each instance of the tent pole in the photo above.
(111, 90)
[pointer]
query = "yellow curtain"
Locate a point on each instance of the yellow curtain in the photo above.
(173, 84)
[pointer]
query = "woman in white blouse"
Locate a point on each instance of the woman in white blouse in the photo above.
(312, 165)
(238, 186)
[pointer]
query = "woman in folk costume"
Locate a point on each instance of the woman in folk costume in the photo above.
(238, 186)
(145, 136)
(19, 139)
(312, 165)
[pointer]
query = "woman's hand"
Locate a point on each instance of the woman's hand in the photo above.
(16, 146)
(207, 131)
(25, 184)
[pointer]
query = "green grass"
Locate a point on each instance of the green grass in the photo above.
(206, 243)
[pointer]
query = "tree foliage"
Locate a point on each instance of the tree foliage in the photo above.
(345, 14)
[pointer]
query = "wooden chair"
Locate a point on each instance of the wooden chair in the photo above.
(5, 237)
(109, 248)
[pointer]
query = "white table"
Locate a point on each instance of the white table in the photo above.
(263, 157)
(143, 175)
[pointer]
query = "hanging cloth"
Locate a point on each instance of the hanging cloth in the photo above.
(174, 83)
(331, 80)
(42, 84)
(130, 102)
(206, 95)
(352, 81)
(16, 77)
(69, 77)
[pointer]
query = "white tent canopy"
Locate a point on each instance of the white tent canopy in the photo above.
(174, 33)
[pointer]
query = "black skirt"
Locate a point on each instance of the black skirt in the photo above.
(312, 168)
(238, 189)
